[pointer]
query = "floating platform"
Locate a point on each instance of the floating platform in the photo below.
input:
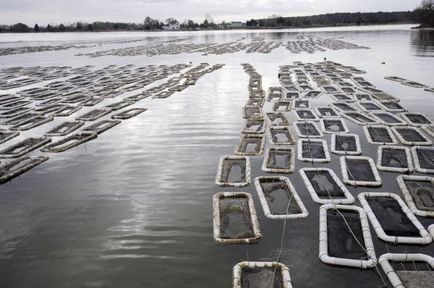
(250, 145)
(313, 150)
(307, 129)
(69, 142)
(326, 112)
(279, 199)
(418, 274)
(346, 144)
(261, 274)
(234, 218)
(64, 129)
(279, 159)
(5, 135)
(423, 158)
(337, 245)
(101, 126)
(409, 135)
(394, 159)
(333, 125)
(360, 171)
(306, 115)
(94, 114)
(418, 193)
(416, 119)
(280, 135)
(252, 126)
(233, 171)
(22, 148)
(277, 119)
(325, 187)
(392, 220)
(379, 134)
(19, 166)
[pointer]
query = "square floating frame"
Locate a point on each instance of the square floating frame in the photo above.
(392, 220)
(307, 129)
(313, 150)
(343, 107)
(391, 106)
(252, 112)
(129, 113)
(301, 104)
(7, 135)
(252, 126)
(429, 129)
(423, 158)
(331, 125)
(64, 129)
(389, 119)
(274, 157)
(327, 112)
(282, 106)
(19, 166)
(409, 135)
(280, 135)
(416, 119)
(325, 187)
(277, 119)
(94, 114)
(234, 218)
(418, 193)
(22, 148)
(346, 144)
(250, 145)
(369, 106)
(69, 142)
(360, 171)
(225, 171)
(279, 199)
(419, 278)
(394, 159)
(379, 134)
(245, 272)
(360, 118)
(334, 221)
(306, 115)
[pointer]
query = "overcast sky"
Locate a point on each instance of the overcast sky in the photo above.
(68, 11)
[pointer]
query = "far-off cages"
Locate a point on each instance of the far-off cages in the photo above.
(261, 274)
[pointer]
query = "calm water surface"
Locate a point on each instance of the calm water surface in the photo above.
(133, 207)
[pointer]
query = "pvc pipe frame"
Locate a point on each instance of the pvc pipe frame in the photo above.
(389, 132)
(325, 130)
(389, 109)
(385, 260)
(237, 272)
(429, 129)
(349, 198)
(426, 141)
(374, 121)
(260, 131)
(345, 152)
(300, 134)
(300, 118)
(399, 122)
(304, 213)
(323, 144)
(409, 198)
(425, 237)
(373, 102)
(245, 136)
(217, 224)
(287, 149)
(233, 184)
(280, 124)
(407, 119)
(287, 130)
(417, 162)
(323, 239)
(380, 166)
(318, 111)
(344, 169)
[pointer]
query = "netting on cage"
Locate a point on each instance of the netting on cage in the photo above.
(235, 218)
(324, 184)
(279, 197)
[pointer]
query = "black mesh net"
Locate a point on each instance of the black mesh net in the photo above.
(359, 170)
(422, 192)
(410, 135)
(313, 150)
(426, 158)
(379, 134)
(278, 195)
(345, 143)
(235, 221)
(396, 158)
(324, 184)
(261, 277)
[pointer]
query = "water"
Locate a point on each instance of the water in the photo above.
(133, 208)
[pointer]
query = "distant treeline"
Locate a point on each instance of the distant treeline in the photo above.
(338, 19)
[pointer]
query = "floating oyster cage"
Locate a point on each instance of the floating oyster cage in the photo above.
(101, 126)
(359, 118)
(418, 193)
(423, 159)
(342, 97)
(7, 135)
(64, 129)
(345, 144)
(429, 129)
(343, 107)
(253, 233)
(271, 163)
(247, 141)
(395, 276)
(119, 105)
(252, 112)
(364, 167)
(254, 126)
(388, 118)
(19, 166)
(280, 135)
(394, 159)
(301, 104)
(369, 106)
(307, 129)
(316, 151)
(412, 233)
(94, 114)
(327, 112)
(325, 187)
(226, 164)
(277, 119)
(284, 185)
(416, 119)
(69, 142)
(129, 113)
(273, 267)
(411, 136)
(31, 123)
(379, 134)
(306, 115)
(332, 125)
(328, 256)
(391, 106)
(24, 147)
(282, 106)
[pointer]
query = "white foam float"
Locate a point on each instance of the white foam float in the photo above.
(323, 239)
(349, 177)
(294, 195)
(382, 166)
(424, 237)
(391, 106)
(429, 129)
(337, 143)
(391, 274)
(347, 196)
(275, 266)
(409, 197)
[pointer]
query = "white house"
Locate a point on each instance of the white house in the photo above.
(172, 26)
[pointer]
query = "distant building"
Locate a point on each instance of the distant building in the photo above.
(237, 24)
(172, 26)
